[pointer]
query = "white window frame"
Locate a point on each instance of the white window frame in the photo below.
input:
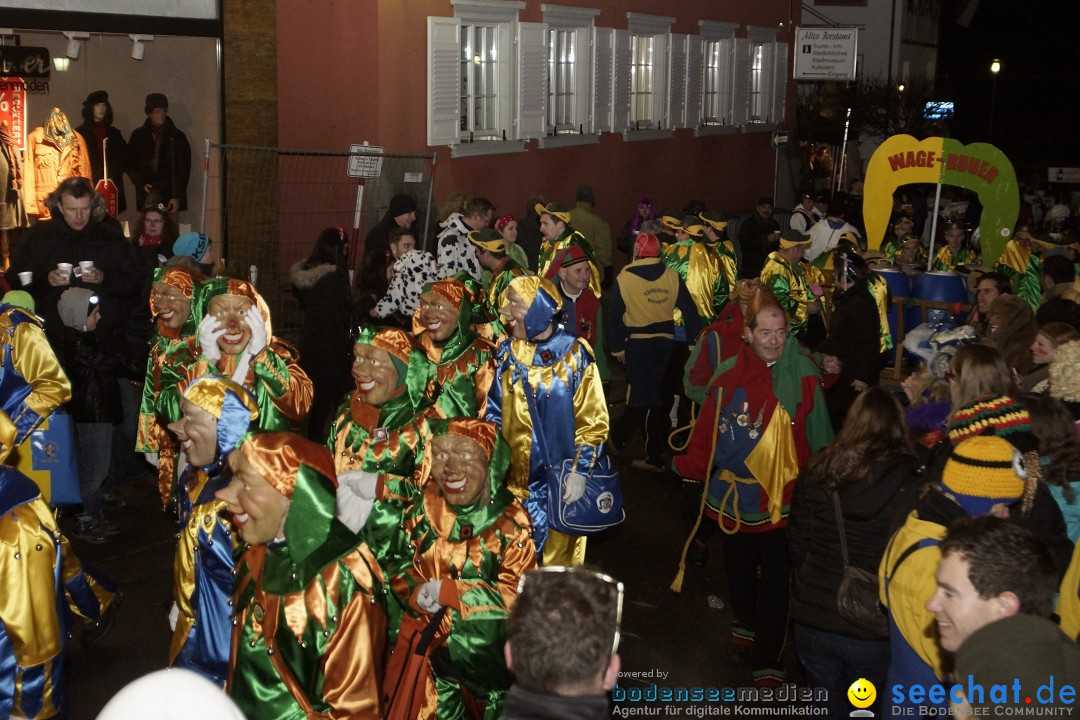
(580, 22)
(445, 77)
(762, 46)
(657, 29)
(717, 82)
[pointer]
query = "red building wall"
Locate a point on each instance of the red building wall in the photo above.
(356, 70)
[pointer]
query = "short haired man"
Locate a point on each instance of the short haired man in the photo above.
(1020, 263)
(784, 275)
(559, 234)
(562, 642)
(825, 234)
(401, 213)
(492, 256)
(954, 252)
(989, 288)
(75, 233)
(454, 252)
(571, 272)
(890, 247)
(767, 404)
(995, 592)
(757, 236)
(1058, 276)
(594, 229)
(804, 215)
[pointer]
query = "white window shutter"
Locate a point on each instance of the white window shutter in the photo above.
(603, 80)
(781, 69)
(532, 80)
(726, 72)
(740, 103)
(676, 104)
(620, 96)
(444, 81)
(695, 56)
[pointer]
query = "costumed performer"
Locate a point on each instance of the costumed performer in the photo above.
(1022, 266)
(43, 590)
(769, 416)
(309, 631)
(32, 383)
(491, 253)
(464, 362)
(701, 267)
(559, 235)
(546, 385)
(215, 414)
(471, 541)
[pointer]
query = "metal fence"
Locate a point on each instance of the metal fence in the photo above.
(274, 202)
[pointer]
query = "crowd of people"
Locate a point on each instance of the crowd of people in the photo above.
(458, 450)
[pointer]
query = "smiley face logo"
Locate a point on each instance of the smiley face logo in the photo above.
(862, 693)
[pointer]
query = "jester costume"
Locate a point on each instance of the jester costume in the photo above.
(464, 362)
(946, 261)
(203, 565)
(766, 423)
(281, 388)
(479, 552)
(32, 383)
(569, 237)
(1024, 270)
(309, 631)
(550, 377)
(499, 282)
(171, 357)
(44, 590)
(702, 268)
(879, 288)
(791, 288)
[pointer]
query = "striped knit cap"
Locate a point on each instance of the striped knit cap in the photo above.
(984, 471)
(1000, 415)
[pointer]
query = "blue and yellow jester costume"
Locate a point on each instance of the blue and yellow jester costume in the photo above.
(559, 375)
(32, 383)
(203, 565)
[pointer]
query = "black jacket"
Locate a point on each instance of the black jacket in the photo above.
(854, 337)
(325, 344)
(95, 396)
(116, 152)
(869, 507)
(523, 704)
(754, 244)
(170, 178)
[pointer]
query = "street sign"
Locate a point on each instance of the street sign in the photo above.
(1063, 175)
(826, 53)
(780, 138)
(365, 161)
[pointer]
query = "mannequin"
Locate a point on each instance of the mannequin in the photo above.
(105, 146)
(12, 214)
(54, 153)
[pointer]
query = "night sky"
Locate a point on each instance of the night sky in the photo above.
(1036, 119)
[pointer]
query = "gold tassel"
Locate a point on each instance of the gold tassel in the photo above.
(676, 584)
(685, 428)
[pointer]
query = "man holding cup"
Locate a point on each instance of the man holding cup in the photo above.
(75, 248)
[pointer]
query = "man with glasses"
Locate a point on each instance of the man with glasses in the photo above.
(562, 644)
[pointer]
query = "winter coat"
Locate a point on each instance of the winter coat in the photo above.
(412, 271)
(325, 345)
(853, 337)
(93, 371)
(170, 178)
(46, 164)
(116, 152)
(869, 507)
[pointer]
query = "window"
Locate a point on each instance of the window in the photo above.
(562, 66)
(718, 66)
(569, 40)
(642, 86)
(642, 109)
(474, 76)
(757, 90)
(761, 79)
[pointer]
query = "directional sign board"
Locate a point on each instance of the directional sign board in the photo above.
(826, 53)
(365, 161)
(780, 138)
(1063, 175)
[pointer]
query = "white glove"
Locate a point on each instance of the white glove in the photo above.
(242, 364)
(153, 459)
(355, 498)
(210, 329)
(258, 331)
(427, 599)
(174, 615)
(573, 488)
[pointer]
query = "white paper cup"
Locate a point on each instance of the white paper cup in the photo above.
(65, 268)
(86, 265)
(26, 277)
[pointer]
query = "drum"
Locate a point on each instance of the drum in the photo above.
(943, 287)
(899, 287)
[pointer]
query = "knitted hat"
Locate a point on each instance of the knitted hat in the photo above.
(571, 255)
(19, 298)
(487, 239)
(792, 237)
(557, 210)
(402, 205)
(192, 244)
(1000, 416)
(75, 306)
(646, 245)
(982, 472)
(155, 101)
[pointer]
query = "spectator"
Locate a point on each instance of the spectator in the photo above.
(1047, 340)
(400, 214)
(758, 235)
(507, 226)
(411, 271)
(529, 236)
(867, 474)
(1059, 276)
(595, 230)
(455, 253)
(989, 287)
(1012, 331)
(1059, 456)
(928, 406)
(1064, 378)
(804, 215)
(995, 592)
(825, 234)
(641, 333)
(562, 644)
(645, 210)
(154, 236)
(322, 284)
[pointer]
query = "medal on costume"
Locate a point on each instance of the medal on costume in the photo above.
(381, 434)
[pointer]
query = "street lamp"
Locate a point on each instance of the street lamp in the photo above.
(995, 68)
